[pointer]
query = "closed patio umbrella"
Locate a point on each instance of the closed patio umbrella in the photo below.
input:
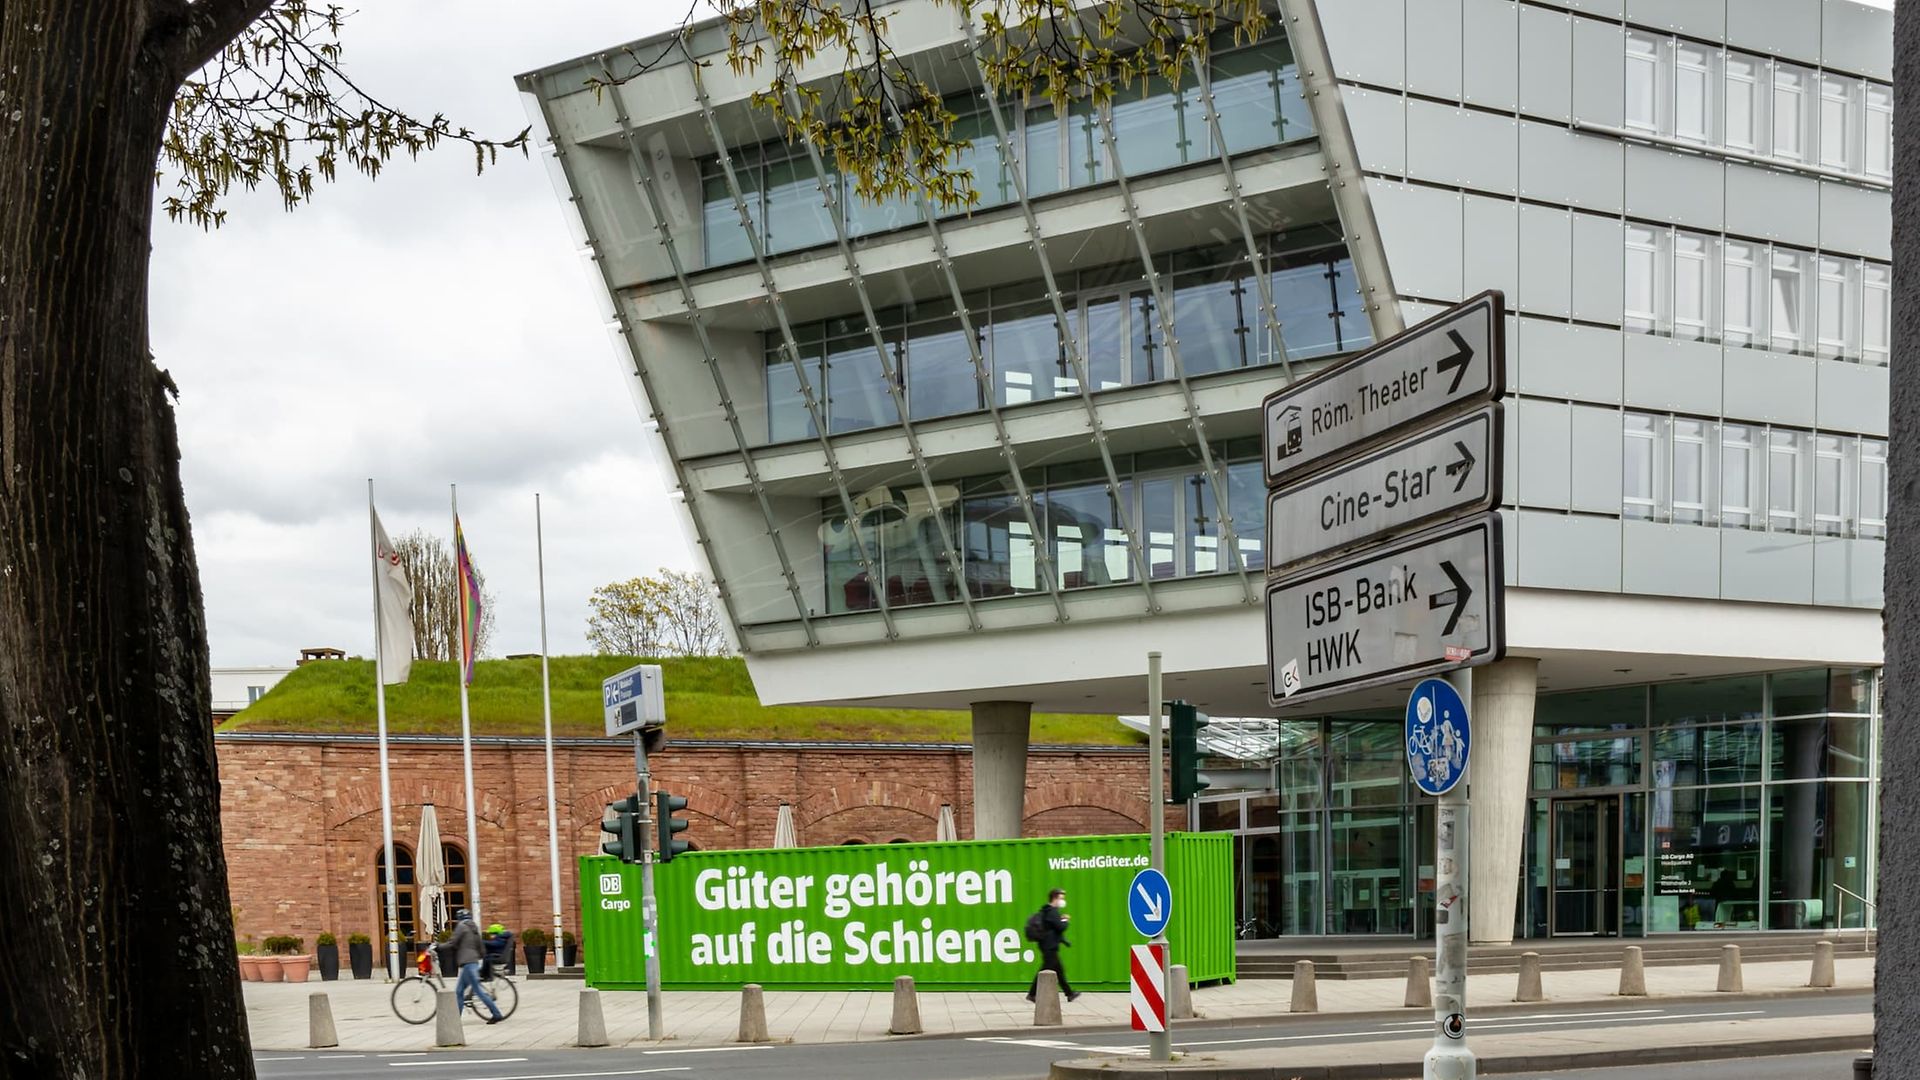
(430, 875)
(946, 829)
(783, 834)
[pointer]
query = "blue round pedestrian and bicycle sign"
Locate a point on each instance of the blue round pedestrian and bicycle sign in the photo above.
(1150, 902)
(1438, 736)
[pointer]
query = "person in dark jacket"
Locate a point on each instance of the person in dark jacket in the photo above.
(1053, 935)
(467, 951)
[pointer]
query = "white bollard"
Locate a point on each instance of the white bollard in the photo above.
(1730, 979)
(1529, 988)
(1633, 973)
(1179, 993)
(1419, 983)
(446, 1020)
(1822, 974)
(906, 1007)
(320, 1031)
(593, 1021)
(1046, 1000)
(753, 1014)
(1306, 998)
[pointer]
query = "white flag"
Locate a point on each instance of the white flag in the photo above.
(396, 607)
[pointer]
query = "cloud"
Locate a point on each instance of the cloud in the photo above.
(429, 328)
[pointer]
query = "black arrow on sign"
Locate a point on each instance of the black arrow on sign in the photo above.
(1457, 363)
(1459, 594)
(1462, 468)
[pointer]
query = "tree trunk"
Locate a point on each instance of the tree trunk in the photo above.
(113, 894)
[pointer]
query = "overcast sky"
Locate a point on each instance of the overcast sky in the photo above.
(429, 328)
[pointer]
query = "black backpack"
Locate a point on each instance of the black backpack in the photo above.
(1036, 926)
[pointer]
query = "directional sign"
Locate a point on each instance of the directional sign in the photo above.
(1150, 902)
(1452, 358)
(1438, 736)
(1147, 986)
(635, 698)
(1448, 471)
(1412, 607)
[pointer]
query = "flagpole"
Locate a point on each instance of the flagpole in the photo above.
(546, 706)
(380, 714)
(466, 718)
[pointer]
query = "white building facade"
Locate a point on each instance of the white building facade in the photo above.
(990, 459)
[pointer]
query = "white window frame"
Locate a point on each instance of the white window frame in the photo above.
(1840, 117)
(1792, 86)
(1788, 455)
(1830, 452)
(1743, 259)
(1648, 505)
(1873, 477)
(1745, 86)
(1645, 55)
(1837, 332)
(1647, 246)
(1694, 253)
(1696, 62)
(1876, 158)
(1740, 439)
(1697, 434)
(1876, 326)
(1798, 263)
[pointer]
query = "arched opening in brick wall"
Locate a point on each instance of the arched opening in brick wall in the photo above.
(407, 885)
(1078, 821)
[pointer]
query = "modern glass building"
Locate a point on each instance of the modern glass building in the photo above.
(989, 458)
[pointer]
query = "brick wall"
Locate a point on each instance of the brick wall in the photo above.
(301, 819)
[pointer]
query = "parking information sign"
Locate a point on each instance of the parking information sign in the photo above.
(1439, 736)
(634, 699)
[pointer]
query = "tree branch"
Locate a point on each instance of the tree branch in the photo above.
(187, 36)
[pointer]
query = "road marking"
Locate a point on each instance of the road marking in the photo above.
(1484, 1025)
(1533, 1016)
(1057, 1044)
(568, 1076)
(452, 1063)
(706, 1049)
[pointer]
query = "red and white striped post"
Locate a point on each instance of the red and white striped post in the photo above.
(1149, 993)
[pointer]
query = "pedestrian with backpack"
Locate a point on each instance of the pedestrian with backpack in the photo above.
(1047, 928)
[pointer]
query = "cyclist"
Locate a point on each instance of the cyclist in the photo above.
(499, 943)
(467, 954)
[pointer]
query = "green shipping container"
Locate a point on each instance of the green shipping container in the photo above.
(951, 915)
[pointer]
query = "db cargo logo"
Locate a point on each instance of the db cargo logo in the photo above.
(610, 884)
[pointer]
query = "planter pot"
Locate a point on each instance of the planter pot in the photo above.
(328, 957)
(295, 968)
(270, 969)
(536, 959)
(360, 958)
(569, 954)
(447, 967)
(250, 967)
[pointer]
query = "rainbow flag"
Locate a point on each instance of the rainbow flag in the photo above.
(470, 607)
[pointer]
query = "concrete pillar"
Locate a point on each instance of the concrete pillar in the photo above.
(1419, 984)
(1731, 981)
(1000, 733)
(906, 1007)
(320, 1032)
(1179, 993)
(1306, 996)
(1633, 973)
(1502, 711)
(753, 1014)
(1046, 1000)
(593, 1021)
(1529, 988)
(446, 1020)
(1822, 973)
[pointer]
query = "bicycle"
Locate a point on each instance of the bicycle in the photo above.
(416, 997)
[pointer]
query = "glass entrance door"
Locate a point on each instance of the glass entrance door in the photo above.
(1584, 883)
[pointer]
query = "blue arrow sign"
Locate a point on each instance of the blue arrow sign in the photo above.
(1150, 902)
(1438, 736)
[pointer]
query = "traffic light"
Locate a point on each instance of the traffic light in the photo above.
(665, 824)
(626, 816)
(1186, 723)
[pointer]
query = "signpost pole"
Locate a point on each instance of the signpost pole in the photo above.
(644, 834)
(1450, 1058)
(1159, 1043)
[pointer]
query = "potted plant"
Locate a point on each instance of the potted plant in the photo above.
(327, 951)
(279, 947)
(297, 962)
(249, 962)
(443, 948)
(569, 949)
(360, 956)
(533, 942)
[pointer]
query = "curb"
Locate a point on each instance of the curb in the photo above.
(1204, 1069)
(1261, 1020)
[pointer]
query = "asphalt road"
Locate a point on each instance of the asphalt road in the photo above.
(1796, 1067)
(1027, 1057)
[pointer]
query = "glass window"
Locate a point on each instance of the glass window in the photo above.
(798, 214)
(1879, 131)
(941, 378)
(1029, 362)
(1369, 761)
(1818, 837)
(1744, 298)
(1247, 98)
(1000, 553)
(1043, 151)
(1745, 104)
(1726, 753)
(1263, 812)
(1148, 349)
(1821, 746)
(1876, 314)
(1159, 518)
(981, 158)
(1644, 284)
(1104, 345)
(864, 217)
(1790, 111)
(1739, 478)
(1785, 449)
(1587, 763)
(857, 384)
(723, 235)
(1365, 878)
(1289, 863)
(1303, 298)
(787, 414)
(1088, 544)
(1200, 528)
(1636, 482)
(1573, 712)
(1839, 108)
(1219, 815)
(1643, 80)
(1700, 701)
(1850, 690)
(1690, 471)
(1838, 306)
(1788, 315)
(1150, 127)
(1873, 488)
(1247, 493)
(1693, 84)
(1302, 764)
(1706, 844)
(1693, 289)
(1086, 159)
(1799, 693)
(1829, 485)
(1214, 312)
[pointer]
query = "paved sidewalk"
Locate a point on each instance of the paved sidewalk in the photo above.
(548, 1013)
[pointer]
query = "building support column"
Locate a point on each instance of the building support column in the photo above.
(1000, 733)
(1502, 711)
